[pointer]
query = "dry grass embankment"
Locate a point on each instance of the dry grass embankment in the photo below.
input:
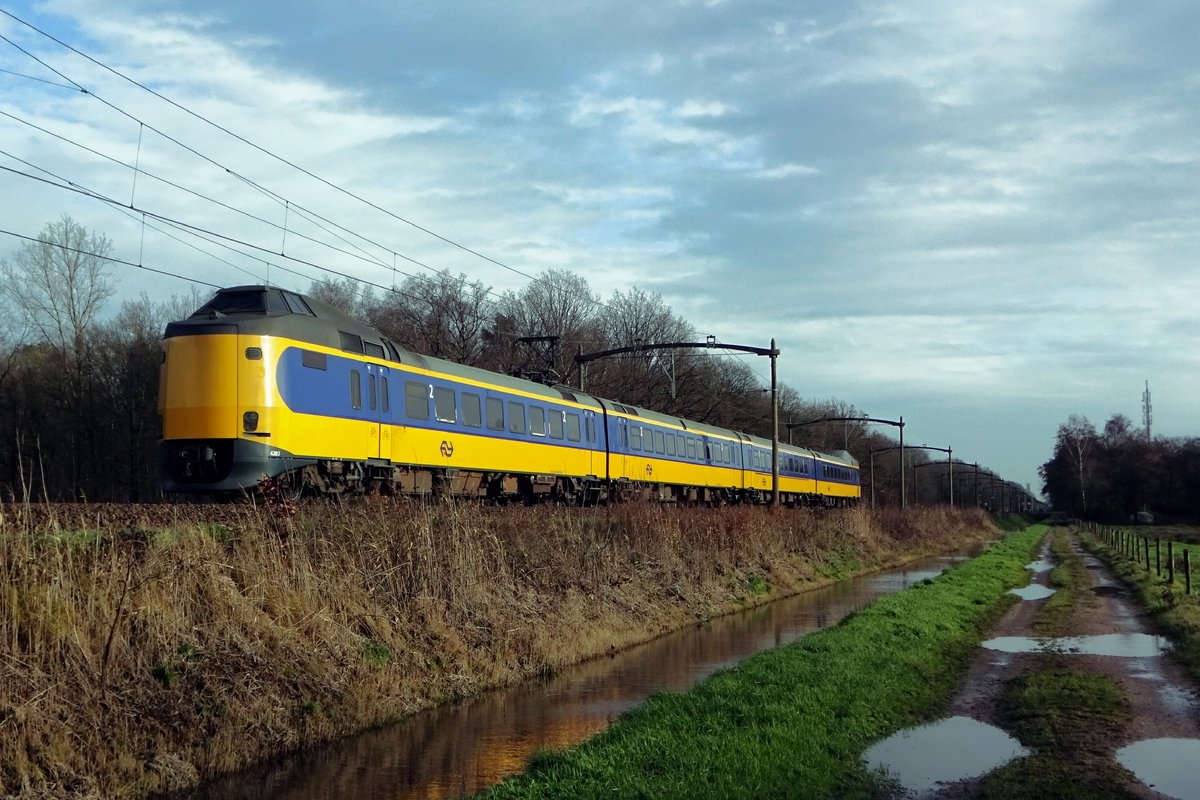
(145, 654)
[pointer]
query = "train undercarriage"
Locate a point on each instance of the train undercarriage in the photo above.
(332, 478)
(220, 468)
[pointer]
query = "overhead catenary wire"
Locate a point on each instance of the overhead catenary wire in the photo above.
(219, 203)
(311, 216)
(36, 240)
(198, 230)
(599, 303)
(238, 137)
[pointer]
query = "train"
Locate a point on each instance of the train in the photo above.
(266, 384)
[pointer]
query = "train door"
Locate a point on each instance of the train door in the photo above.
(379, 403)
(618, 447)
(597, 461)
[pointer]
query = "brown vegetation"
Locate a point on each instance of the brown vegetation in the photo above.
(146, 654)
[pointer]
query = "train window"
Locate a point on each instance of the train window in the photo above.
(472, 412)
(372, 392)
(296, 304)
(537, 420)
(355, 389)
(234, 303)
(416, 400)
(659, 447)
(635, 437)
(374, 350)
(516, 417)
(495, 414)
(591, 429)
(554, 423)
(572, 427)
(313, 360)
(670, 444)
(393, 353)
(383, 393)
(351, 342)
(680, 443)
(691, 447)
(443, 405)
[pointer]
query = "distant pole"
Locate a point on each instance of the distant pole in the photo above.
(950, 464)
(903, 495)
(774, 430)
(872, 480)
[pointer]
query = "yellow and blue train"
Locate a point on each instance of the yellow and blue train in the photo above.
(264, 382)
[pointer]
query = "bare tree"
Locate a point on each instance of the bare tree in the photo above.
(128, 355)
(58, 283)
(650, 378)
(441, 315)
(1076, 437)
(556, 303)
(344, 294)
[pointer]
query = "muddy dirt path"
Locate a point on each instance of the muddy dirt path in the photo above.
(1108, 636)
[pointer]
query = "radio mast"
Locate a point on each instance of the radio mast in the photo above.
(1146, 415)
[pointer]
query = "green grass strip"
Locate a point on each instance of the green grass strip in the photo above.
(794, 721)
(1071, 580)
(1070, 717)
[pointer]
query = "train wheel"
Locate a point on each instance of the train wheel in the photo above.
(290, 486)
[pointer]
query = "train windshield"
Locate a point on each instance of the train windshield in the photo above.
(256, 301)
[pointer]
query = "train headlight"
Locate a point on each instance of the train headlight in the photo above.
(250, 421)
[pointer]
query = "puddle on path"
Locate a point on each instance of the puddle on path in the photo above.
(1165, 765)
(1181, 701)
(1125, 645)
(954, 749)
(1034, 591)
(1041, 565)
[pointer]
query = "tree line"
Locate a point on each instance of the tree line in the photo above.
(1112, 474)
(78, 391)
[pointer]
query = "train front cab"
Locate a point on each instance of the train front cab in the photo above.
(218, 401)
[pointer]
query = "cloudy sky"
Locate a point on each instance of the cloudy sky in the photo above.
(982, 217)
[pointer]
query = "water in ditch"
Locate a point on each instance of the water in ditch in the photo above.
(462, 748)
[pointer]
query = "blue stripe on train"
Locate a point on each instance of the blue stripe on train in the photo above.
(326, 392)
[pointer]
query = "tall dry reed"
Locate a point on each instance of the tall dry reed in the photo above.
(145, 650)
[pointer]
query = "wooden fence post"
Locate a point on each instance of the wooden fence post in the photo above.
(1171, 561)
(1146, 539)
(1158, 557)
(1187, 572)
